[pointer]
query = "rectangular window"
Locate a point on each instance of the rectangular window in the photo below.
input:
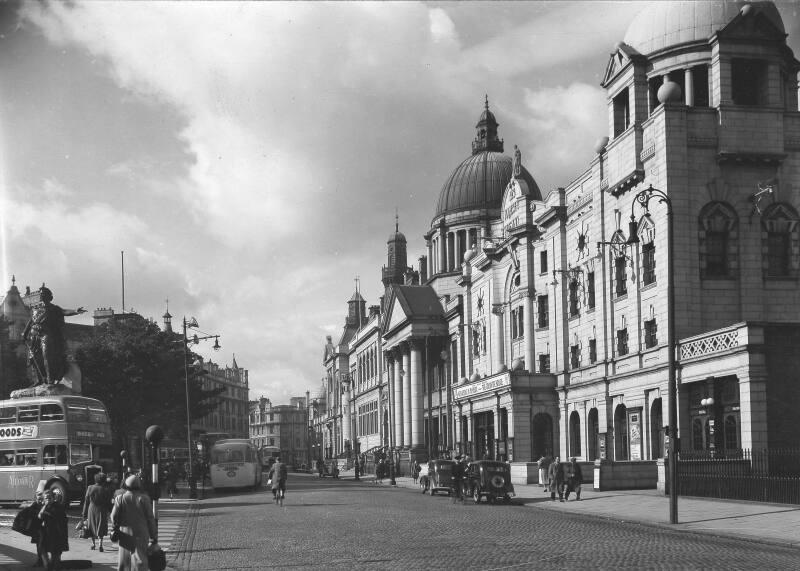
(52, 412)
(620, 275)
(590, 290)
(8, 415)
(7, 457)
(517, 323)
(574, 357)
(54, 454)
(648, 263)
(77, 413)
(592, 350)
(748, 85)
(716, 254)
(513, 323)
(29, 413)
(27, 457)
(573, 298)
(543, 262)
(543, 317)
(622, 342)
(650, 330)
(544, 363)
(777, 257)
(621, 112)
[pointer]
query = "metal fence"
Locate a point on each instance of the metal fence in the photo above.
(770, 475)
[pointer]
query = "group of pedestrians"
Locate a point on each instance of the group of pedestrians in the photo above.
(561, 479)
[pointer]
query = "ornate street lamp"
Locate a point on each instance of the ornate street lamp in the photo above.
(643, 198)
(195, 339)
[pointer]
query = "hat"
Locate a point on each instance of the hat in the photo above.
(133, 482)
(99, 478)
(40, 487)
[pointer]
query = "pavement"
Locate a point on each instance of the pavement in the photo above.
(777, 524)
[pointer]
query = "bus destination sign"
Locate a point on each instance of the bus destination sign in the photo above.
(17, 431)
(89, 434)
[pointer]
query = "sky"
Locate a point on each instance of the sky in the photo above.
(249, 158)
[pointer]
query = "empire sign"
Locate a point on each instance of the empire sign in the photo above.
(482, 387)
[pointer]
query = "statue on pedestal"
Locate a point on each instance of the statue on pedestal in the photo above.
(44, 336)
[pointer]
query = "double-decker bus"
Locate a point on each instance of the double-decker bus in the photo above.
(64, 440)
(235, 463)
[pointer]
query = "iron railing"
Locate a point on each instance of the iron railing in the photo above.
(769, 475)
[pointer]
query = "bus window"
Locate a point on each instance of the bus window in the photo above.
(29, 413)
(55, 454)
(80, 453)
(97, 414)
(6, 457)
(52, 411)
(27, 457)
(8, 415)
(77, 413)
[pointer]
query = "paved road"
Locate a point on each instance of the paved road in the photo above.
(335, 524)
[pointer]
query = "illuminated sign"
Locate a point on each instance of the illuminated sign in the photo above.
(483, 386)
(19, 431)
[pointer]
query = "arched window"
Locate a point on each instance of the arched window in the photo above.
(656, 430)
(718, 239)
(621, 433)
(575, 434)
(594, 431)
(779, 240)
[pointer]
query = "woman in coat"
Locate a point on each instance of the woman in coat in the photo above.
(96, 506)
(132, 514)
(53, 538)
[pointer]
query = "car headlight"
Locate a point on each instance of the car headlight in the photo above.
(79, 477)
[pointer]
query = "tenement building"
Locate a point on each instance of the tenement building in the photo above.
(538, 323)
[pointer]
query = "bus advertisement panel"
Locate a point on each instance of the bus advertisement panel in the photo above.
(61, 439)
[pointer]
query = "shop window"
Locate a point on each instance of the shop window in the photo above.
(592, 350)
(573, 298)
(650, 333)
(748, 82)
(620, 275)
(648, 263)
(543, 311)
(574, 356)
(731, 432)
(544, 363)
(622, 342)
(590, 302)
(622, 115)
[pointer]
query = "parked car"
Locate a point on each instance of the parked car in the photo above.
(330, 468)
(439, 476)
(489, 479)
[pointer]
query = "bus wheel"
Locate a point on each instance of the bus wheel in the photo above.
(59, 491)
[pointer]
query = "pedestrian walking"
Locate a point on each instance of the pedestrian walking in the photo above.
(556, 475)
(544, 475)
(574, 481)
(96, 509)
(172, 481)
(415, 470)
(380, 471)
(53, 538)
(457, 478)
(278, 475)
(134, 526)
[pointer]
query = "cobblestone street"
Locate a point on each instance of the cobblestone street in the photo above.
(338, 524)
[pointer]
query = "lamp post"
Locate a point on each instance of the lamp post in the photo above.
(643, 198)
(195, 339)
(154, 435)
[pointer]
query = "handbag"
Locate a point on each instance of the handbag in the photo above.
(156, 558)
(27, 521)
(125, 540)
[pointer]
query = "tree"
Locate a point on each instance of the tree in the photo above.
(137, 371)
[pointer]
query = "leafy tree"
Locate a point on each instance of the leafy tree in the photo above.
(137, 371)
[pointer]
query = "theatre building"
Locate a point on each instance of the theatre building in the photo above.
(537, 322)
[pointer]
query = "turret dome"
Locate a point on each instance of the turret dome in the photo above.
(664, 24)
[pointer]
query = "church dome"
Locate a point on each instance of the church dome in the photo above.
(664, 24)
(480, 180)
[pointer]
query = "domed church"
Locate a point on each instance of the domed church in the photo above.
(566, 323)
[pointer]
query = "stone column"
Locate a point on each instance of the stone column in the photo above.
(407, 419)
(430, 258)
(398, 398)
(457, 429)
(498, 426)
(753, 410)
(442, 249)
(471, 432)
(530, 344)
(497, 333)
(688, 83)
(346, 417)
(457, 250)
(417, 424)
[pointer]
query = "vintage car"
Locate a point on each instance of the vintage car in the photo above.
(489, 479)
(328, 468)
(438, 477)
